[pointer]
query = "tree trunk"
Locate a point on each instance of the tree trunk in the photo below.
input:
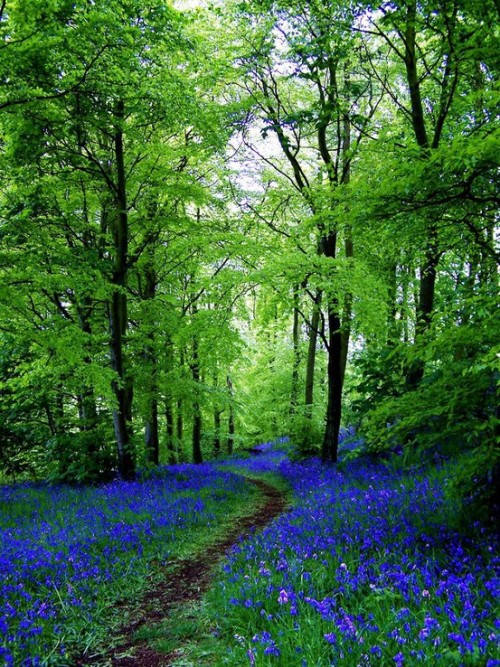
(426, 295)
(87, 413)
(118, 313)
(329, 451)
(197, 453)
(231, 421)
(87, 409)
(180, 421)
(169, 419)
(52, 422)
(334, 408)
(151, 438)
(296, 352)
(151, 431)
(217, 427)
(217, 415)
(311, 356)
(195, 370)
(424, 311)
(404, 304)
(425, 305)
(488, 274)
(393, 333)
(180, 413)
(349, 245)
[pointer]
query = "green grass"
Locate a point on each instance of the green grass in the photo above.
(90, 554)
(190, 630)
(191, 635)
(185, 625)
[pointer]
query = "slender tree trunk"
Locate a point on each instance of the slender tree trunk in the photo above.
(334, 407)
(171, 441)
(488, 274)
(424, 312)
(151, 430)
(151, 438)
(392, 328)
(87, 413)
(338, 330)
(50, 419)
(180, 421)
(179, 427)
(329, 451)
(195, 370)
(217, 416)
(197, 453)
(404, 304)
(231, 421)
(427, 291)
(217, 428)
(87, 408)
(170, 427)
(296, 352)
(311, 356)
(348, 245)
(89, 422)
(118, 320)
(345, 335)
(425, 307)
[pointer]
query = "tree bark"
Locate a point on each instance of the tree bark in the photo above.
(217, 416)
(169, 419)
(393, 333)
(231, 420)
(151, 431)
(180, 421)
(195, 371)
(311, 356)
(348, 245)
(87, 408)
(217, 427)
(118, 319)
(424, 312)
(151, 438)
(296, 352)
(329, 452)
(425, 306)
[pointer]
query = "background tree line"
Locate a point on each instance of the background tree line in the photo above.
(258, 219)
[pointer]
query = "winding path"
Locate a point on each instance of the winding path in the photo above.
(187, 583)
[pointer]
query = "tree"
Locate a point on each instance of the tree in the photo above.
(91, 161)
(310, 113)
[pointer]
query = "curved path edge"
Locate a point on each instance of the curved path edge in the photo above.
(189, 580)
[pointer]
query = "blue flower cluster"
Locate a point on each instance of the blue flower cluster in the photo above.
(64, 550)
(266, 458)
(364, 570)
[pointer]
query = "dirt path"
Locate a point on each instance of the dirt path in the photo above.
(187, 583)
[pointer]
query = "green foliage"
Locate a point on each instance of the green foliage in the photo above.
(306, 435)
(253, 131)
(81, 457)
(452, 412)
(474, 487)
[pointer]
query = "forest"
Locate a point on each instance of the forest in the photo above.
(250, 245)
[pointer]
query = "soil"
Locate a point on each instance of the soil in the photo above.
(187, 583)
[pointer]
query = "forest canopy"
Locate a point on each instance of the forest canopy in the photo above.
(224, 224)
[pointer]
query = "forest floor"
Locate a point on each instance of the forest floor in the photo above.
(184, 584)
(363, 563)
